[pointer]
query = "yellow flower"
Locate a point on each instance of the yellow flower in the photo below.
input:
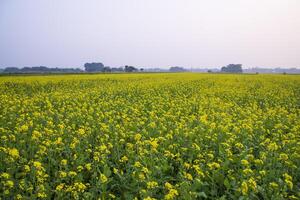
(293, 197)
(172, 194)
(137, 164)
(80, 187)
(88, 166)
(103, 147)
(152, 184)
(62, 174)
(143, 191)
(213, 165)
(258, 162)
(239, 145)
(250, 157)
(168, 185)
(262, 172)
(273, 146)
(81, 131)
(188, 176)
(152, 124)
(79, 168)
(247, 171)
(130, 146)
(210, 155)
(14, 153)
(137, 137)
(288, 180)
(26, 168)
(289, 184)
(36, 135)
(24, 128)
(115, 170)
(96, 156)
(42, 195)
(142, 176)
(198, 170)
(274, 185)
(124, 159)
(9, 184)
(244, 188)
(154, 144)
(245, 162)
(149, 198)
(252, 184)
(287, 177)
(72, 173)
(186, 165)
(63, 162)
(60, 187)
(37, 165)
(283, 157)
(5, 175)
(103, 178)
(145, 170)
(58, 141)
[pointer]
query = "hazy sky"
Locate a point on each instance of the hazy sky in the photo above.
(150, 33)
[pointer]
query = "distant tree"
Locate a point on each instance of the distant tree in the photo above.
(177, 69)
(232, 68)
(106, 69)
(93, 67)
(209, 71)
(40, 70)
(141, 69)
(119, 69)
(130, 69)
(11, 70)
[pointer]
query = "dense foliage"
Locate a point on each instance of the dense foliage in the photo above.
(93, 67)
(232, 68)
(146, 136)
(38, 70)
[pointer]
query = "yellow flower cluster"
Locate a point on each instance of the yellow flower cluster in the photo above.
(150, 136)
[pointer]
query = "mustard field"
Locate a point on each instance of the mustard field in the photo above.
(150, 136)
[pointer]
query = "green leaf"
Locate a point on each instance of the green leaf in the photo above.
(107, 171)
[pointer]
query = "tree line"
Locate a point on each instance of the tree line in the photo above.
(98, 67)
(40, 69)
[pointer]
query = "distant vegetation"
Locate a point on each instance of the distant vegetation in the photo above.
(232, 68)
(93, 67)
(40, 70)
(98, 67)
(177, 69)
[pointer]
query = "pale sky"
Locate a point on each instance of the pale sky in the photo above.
(150, 33)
